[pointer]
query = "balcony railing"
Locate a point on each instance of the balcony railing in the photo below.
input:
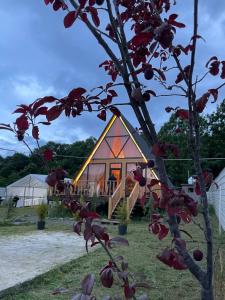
(87, 188)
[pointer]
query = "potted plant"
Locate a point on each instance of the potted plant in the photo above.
(122, 216)
(42, 212)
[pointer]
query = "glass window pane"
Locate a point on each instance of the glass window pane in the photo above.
(117, 129)
(103, 151)
(130, 150)
(116, 144)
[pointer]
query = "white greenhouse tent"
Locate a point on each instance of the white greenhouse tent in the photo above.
(31, 190)
(216, 195)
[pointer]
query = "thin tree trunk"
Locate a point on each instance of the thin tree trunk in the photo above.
(207, 294)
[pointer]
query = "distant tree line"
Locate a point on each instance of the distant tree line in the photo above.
(19, 165)
(174, 131)
(213, 144)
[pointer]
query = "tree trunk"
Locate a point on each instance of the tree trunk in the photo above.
(207, 294)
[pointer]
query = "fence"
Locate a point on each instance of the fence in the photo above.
(216, 196)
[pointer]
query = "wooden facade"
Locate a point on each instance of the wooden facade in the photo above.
(108, 171)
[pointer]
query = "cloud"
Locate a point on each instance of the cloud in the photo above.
(28, 88)
(39, 57)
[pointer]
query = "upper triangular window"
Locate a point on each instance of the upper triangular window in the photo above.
(117, 143)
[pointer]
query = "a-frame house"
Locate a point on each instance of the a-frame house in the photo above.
(108, 171)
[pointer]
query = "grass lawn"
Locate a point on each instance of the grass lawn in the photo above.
(165, 283)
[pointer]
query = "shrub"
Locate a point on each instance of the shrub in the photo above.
(42, 211)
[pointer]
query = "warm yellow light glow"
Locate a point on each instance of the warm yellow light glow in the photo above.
(95, 149)
(145, 159)
(100, 141)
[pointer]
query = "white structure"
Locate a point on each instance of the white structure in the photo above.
(216, 196)
(3, 193)
(31, 190)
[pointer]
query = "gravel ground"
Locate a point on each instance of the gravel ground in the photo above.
(24, 257)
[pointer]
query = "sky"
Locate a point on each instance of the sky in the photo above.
(39, 57)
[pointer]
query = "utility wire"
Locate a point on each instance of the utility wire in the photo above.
(166, 159)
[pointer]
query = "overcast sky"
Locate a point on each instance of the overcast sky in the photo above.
(40, 57)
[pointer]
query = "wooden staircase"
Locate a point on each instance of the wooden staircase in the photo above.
(115, 199)
(136, 193)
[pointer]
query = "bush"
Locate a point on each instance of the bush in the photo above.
(58, 210)
(42, 211)
(121, 212)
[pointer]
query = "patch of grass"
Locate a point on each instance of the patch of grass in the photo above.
(165, 283)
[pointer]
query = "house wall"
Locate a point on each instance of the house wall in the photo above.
(216, 196)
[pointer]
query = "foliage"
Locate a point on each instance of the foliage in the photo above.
(42, 211)
(19, 165)
(212, 131)
(58, 210)
(121, 212)
(146, 49)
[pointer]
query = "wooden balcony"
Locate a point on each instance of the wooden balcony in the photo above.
(87, 188)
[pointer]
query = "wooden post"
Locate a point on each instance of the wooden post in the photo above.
(109, 208)
(128, 208)
(123, 180)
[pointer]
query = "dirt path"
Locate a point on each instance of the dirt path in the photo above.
(24, 257)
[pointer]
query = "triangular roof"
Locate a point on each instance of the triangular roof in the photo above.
(126, 129)
(31, 180)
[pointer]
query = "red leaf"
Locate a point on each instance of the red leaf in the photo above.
(197, 188)
(70, 18)
(48, 1)
(84, 17)
(197, 37)
(201, 102)
(35, 132)
(22, 123)
(77, 227)
(163, 231)
(102, 115)
(151, 92)
(107, 277)
(214, 68)
(51, 179)
(155, 228)
(211, 59)
(142, 39)
(129, 291)
(53, 113)
(113, 93)
(173, 17)
(115, 111)
(92, 215)
(214, 93)
(223, 70)
(20, 110)
(82, 3)
(94, 15)
(41, 111)
(48, 154)
(76, 93)
(57, 5)
(88, 284)
(185, 216)
(177, 24)
(161, 74)
(183, 114)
